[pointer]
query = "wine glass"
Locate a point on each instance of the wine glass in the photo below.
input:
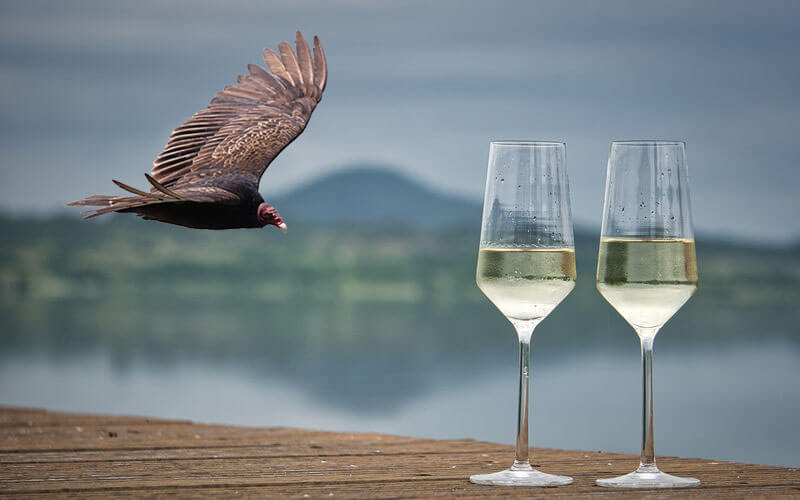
(646, 267)
(526, 264)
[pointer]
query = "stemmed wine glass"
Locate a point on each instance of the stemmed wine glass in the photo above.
(646, 267)
(526, 264)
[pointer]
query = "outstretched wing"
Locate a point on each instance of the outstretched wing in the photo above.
(246, 125)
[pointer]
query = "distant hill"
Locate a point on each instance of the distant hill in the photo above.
(370, 194)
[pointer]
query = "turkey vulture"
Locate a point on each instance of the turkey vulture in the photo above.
(207, 175)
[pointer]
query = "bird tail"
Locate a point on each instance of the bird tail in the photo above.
(108, 204)
(111, 203)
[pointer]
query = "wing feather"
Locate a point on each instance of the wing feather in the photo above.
(161, 188)
(305, 63)
(320, 66)
(276, 66)
(134, 190)
(290, 63)
(257, 71)
(254, 84)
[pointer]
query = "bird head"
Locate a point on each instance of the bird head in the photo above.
(268, 215)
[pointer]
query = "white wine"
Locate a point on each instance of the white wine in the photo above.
(646, 280)
(526, 283)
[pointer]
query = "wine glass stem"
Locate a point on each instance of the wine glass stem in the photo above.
(648, 458)
(522, 460)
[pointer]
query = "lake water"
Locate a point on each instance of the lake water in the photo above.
(384, 330)
(737, 402)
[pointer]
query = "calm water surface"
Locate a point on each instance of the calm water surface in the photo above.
(385, 331)
(739, 403)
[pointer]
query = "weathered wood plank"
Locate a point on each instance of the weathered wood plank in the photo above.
(409, 489)
(68, 455)
(91, 436)
(26, 417)
(298, 470)
(278, 449)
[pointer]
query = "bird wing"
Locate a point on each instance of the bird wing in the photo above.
(246, 125)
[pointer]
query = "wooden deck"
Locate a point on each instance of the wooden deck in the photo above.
(86, 456)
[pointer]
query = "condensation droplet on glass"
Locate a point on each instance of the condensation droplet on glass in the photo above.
(672, 218)
(502, 180)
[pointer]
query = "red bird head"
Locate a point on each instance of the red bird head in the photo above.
(268, 215)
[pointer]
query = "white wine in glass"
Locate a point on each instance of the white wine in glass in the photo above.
(526, 265)
(646, 280)
(646, 267)
(526, 283)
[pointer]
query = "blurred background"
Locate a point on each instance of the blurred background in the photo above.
(365, 316)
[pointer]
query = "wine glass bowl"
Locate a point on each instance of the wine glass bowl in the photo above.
(526, 264)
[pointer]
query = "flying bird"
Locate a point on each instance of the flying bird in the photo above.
(207, 176)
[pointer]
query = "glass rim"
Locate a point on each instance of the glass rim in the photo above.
(648, 142)
(527, 143)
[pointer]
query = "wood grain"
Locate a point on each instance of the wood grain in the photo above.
(88, 456)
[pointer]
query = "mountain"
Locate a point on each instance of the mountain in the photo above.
(370, 195)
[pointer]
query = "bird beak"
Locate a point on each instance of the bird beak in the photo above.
(282, 226)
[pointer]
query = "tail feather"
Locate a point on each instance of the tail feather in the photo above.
(92, 201)
(116, 207)
(111, 203)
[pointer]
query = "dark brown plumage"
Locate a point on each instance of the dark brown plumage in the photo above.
(207, 176)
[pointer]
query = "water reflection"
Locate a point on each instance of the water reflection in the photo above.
(739, 403)
(386, 331)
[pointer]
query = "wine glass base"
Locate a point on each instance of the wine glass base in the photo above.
(648, 477)
(520, 475)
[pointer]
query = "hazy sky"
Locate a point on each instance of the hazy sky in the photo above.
(91, 90)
